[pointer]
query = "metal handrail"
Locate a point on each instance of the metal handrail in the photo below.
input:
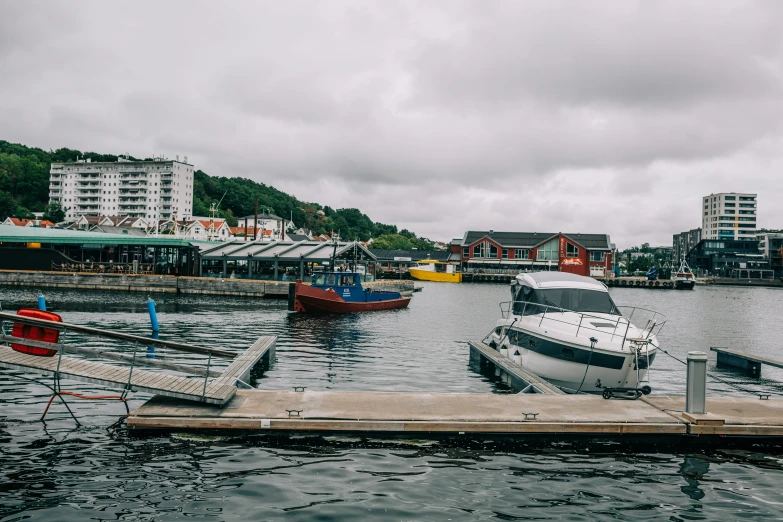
(647, 331)
(56, 325)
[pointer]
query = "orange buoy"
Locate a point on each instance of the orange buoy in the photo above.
(36, 333)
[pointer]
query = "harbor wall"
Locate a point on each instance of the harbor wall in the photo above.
(166, 284)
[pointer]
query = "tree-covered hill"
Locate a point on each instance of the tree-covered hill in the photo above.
(24, 188)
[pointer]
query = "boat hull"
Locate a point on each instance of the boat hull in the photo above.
(684, 285)
(440, 277)
(309, 299)
(573, 367)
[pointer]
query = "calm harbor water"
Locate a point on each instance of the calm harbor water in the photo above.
(53, 471)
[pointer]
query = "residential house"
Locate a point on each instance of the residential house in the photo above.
(20, 222)
(265, 221)
(205, 230)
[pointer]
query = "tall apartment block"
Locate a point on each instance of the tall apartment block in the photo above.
(156, 189)
(729, 215)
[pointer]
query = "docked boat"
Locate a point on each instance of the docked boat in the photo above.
(431, 270)
(683, 279)
(341, 292)
(566, 329)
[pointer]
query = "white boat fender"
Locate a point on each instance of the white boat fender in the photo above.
(517, 357)
(504, 351)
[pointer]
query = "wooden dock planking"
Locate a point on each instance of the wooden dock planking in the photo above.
(114, 376)
(378, 412)
(240, 367)
(411, 412)
(521, 378)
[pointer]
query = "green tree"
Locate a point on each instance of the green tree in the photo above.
(392, 242)
(54, 212)
(7, 205)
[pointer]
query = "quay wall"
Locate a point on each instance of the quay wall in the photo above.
(166, 284)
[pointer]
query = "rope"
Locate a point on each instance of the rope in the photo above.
(589, 360)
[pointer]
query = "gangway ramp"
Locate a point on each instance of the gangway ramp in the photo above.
(217, 391)
(520, 378)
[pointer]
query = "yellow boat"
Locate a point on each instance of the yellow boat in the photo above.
(430, 270)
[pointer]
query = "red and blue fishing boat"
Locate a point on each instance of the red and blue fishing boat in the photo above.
(341, 292)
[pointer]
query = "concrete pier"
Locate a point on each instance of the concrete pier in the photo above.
(152, 284)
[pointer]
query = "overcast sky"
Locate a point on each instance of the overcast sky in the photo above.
(601, 117)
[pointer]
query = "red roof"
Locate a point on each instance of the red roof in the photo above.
(19, 222)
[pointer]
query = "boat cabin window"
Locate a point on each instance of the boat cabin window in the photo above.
(346, 279)
(528, 300)
(332, 279)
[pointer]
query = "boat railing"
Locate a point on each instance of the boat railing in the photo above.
(653, 325)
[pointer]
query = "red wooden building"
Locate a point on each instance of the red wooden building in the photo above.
(582, 254)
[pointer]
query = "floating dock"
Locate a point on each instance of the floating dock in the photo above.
(539, 408)
(457, 414)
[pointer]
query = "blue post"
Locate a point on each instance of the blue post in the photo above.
(155, 328)
(42, 303)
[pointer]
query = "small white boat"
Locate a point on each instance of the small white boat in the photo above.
(566, 329)
(683, 278)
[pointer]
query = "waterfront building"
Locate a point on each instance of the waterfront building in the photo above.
(281, 260)
(32, 248)
(729, 215)
(490, 251)
(771, 247)
(720, 257)
(154, 189)
(683, 243)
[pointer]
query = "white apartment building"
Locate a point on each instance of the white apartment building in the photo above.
(729, 215)
(156, 189)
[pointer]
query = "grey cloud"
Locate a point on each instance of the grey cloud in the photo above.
(437, 116)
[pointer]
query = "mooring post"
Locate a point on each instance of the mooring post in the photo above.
(155, 327)
(42, 303)
(696, 395)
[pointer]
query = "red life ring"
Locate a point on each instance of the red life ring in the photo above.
(36, 333)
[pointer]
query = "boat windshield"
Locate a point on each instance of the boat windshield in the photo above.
(572, 299)
(334, 279)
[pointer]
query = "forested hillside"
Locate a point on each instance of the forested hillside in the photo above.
(24, 188)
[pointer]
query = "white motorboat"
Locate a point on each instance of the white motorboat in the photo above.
(683, 278)
(566, 329)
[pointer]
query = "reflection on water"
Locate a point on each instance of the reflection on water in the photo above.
(52, 471)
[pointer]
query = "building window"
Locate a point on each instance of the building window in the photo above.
(571, 250)
(597, 256)
(504, 254)
(732, 205)
(730, 198)
(728, 211)
(548, 251)
(478, 250)
(466, 252)
(521, 253)
(492, 251)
